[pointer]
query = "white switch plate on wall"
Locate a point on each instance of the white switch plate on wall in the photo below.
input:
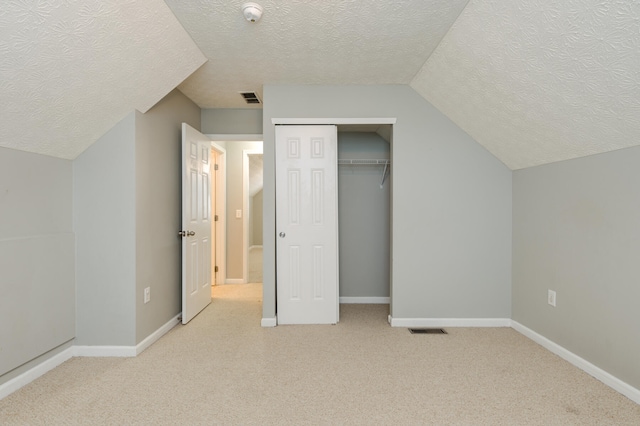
(147, 294)
(551, 298)
(238, 214)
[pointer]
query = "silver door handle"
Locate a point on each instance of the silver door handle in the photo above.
(282, 234)
(191, 233)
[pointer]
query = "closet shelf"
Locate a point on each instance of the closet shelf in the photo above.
(366, 162)
(363, 162)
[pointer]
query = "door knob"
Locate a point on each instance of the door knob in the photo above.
(191, 233)
(182, 233)
(282, 234)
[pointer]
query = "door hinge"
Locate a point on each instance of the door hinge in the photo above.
(215, 167)
(215, 218)
(215, 269)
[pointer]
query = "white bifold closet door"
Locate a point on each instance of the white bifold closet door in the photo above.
(307, 224)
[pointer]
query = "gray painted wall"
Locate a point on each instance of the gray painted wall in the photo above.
(158, 209)
(575, 231)
(104, 193)
(127, 207)
(363, 214)
(232, 121)
(255, 238)
(451, 210)
(37, 252)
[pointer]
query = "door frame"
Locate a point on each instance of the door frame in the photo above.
(221, 208)
(245, 209)
(272, 322)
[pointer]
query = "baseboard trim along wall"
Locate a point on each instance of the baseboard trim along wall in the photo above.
(84, 351)
(105, 351)
(449, 322)
(153, 337)
(126, 351)
(29, 376)
(367, 300)
(269, 322)
(584, 365)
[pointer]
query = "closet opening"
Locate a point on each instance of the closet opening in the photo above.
(364, 213)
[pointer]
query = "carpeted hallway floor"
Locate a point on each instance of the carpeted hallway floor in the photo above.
(223, 368)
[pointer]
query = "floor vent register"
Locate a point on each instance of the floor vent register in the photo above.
(427, 331)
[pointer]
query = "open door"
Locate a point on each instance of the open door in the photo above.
(307, 224)
(196, 222)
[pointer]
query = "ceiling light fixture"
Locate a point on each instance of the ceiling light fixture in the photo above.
(252, 11)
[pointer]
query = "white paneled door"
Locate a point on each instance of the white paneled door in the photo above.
(307, 224)
(196, 222)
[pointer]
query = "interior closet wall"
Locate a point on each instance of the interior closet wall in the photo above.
(363, 214)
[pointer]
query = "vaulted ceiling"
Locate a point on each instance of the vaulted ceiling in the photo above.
(534, 81)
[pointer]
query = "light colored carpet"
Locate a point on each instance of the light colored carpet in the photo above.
(223, 368)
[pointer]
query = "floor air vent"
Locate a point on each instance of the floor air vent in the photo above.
(250, 97)
(427, 331)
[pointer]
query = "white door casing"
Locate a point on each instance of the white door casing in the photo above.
(307, 225)
(196, 222)
(213, 197)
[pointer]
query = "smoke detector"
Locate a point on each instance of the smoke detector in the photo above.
(252, 11)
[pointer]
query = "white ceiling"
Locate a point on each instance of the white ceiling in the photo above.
(538, 81)
(534, 81)
(70, 70)
(309, 42)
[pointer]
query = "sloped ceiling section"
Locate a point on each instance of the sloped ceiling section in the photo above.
(70, 70)
(309, 42)
(539, 81)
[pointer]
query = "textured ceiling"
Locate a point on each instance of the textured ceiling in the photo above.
(309, 42)
(70, 70)
(534, 81)
(539, 81)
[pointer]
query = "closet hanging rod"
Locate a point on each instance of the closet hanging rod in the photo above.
(363, 162)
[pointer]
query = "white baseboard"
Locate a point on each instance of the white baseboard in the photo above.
(153, 337)
(269, 322)
(126, 351)
(234, 281)
(30, 375)
(584, 365)
(449, 322)
(368, 300)
(87, 351)
(104, 351)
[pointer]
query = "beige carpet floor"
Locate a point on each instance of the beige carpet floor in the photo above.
(223, 368)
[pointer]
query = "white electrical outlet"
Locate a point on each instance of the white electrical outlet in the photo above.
(551, 298)
(238, 214)
(147, 294)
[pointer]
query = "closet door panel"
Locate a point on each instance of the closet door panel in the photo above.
(307, 224)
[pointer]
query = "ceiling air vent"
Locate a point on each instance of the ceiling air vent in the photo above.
(250, 97)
